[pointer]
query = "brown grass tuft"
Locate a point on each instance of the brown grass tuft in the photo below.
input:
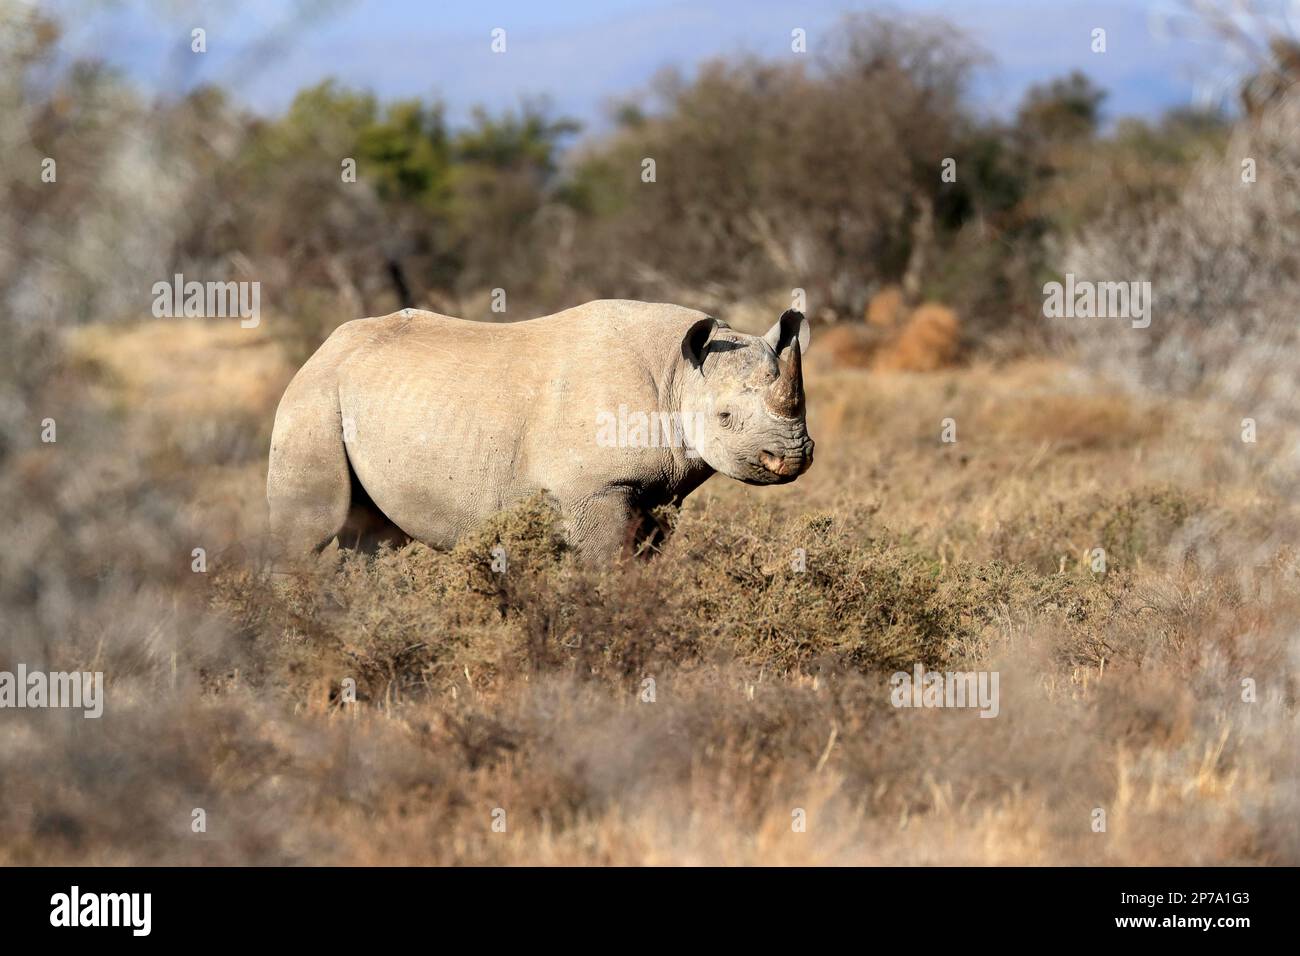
(886, 309)
(930, 340)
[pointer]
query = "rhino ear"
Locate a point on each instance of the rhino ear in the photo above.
(792, 325)
(697, 338)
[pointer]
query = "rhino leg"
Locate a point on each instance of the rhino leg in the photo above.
(611, 526)
(309, 483)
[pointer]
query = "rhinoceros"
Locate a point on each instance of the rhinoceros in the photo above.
(419, 425)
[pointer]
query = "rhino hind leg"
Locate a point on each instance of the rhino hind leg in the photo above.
(309, 482)
(366, 526)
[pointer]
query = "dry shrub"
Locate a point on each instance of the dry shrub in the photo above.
(929, 340)
(1225, 279)
(845, 345)
(1131, 527)
(866, 600)
(886, 310)
(925, 339)
(846, 601)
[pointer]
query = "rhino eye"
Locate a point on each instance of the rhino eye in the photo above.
(725, 419)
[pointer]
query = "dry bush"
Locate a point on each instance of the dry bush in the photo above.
(895, 338)
(1222, 262)
(928, 340)
(1129, 528)
(885, 310)
(720, 591)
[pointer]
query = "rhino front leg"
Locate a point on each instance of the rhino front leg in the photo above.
(607, 527)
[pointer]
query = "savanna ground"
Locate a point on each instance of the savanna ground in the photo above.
(523, 692)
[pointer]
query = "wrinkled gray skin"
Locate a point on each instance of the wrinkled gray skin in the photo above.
(416, 424)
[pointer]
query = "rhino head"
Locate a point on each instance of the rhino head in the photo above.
(744, 395)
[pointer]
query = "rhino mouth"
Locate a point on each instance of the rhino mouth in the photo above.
(783, 468)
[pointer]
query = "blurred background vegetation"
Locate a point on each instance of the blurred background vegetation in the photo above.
(770, 176)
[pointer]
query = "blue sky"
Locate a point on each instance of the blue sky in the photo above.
(582, 53)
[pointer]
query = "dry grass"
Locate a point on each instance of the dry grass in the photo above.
(525, 691)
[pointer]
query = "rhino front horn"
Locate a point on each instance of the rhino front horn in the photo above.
(785, 395)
